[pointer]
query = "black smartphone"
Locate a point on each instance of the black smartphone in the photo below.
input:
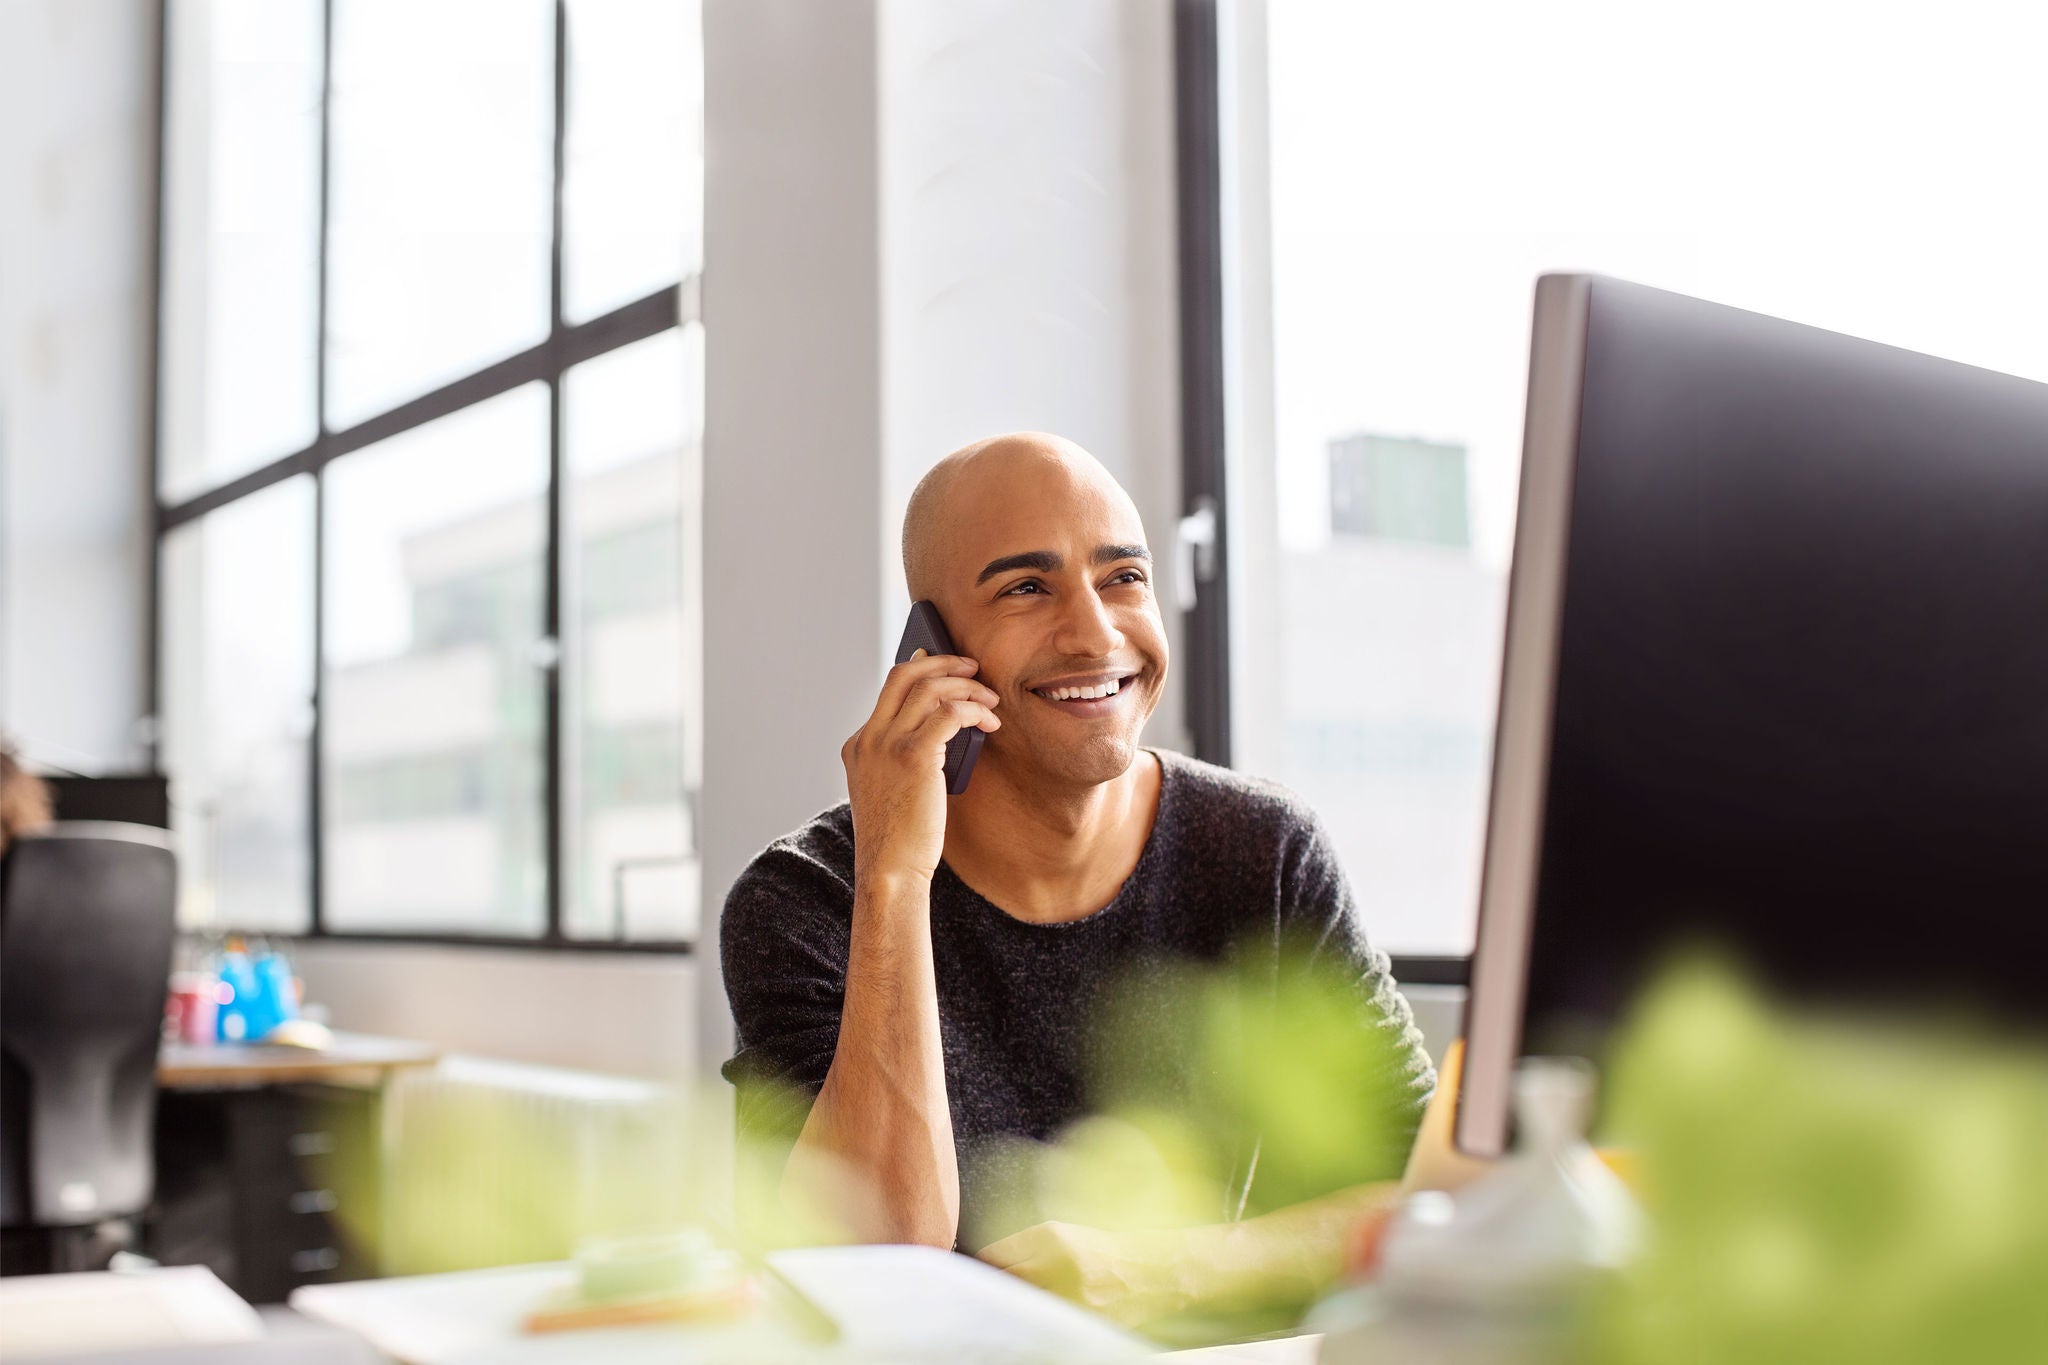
(927, 632)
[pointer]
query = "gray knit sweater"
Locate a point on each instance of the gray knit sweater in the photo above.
(1231, 859)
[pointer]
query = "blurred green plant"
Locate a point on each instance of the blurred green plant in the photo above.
(483, 1176)
(1197, 1073)
(1823, 1190)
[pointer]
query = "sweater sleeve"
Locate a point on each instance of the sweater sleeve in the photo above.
(783, 941)
(1319, 910)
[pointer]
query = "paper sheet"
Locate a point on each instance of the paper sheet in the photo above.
(895, 1303)
(105, 1310)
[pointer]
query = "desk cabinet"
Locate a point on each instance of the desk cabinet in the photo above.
(265, 1186)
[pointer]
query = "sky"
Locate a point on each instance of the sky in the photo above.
(1874, 169)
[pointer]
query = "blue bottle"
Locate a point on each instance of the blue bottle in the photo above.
(236, 1021)
(275, 999)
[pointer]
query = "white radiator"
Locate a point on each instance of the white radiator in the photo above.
(497, 1163)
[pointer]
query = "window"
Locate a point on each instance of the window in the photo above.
(433, 683)
(428, 467)
(1417, 168)
(240, 239)
(237, 699)
(440, 131)
(632, 759)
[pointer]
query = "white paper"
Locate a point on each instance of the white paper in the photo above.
(900, 1304)
(106, 1310)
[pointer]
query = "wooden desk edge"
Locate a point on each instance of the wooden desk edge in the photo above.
(193, 1070)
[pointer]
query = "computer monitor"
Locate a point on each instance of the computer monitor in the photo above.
(1775, 678)
(140, 799)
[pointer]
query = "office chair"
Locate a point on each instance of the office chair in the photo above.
(87, 913)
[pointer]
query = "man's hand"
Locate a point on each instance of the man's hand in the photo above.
(1278, 1262)
(1129, 1277)
(896, 763)
(1288, 1256)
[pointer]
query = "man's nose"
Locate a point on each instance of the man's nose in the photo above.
(1087, 627)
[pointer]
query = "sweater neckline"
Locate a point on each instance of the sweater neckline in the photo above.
(1148, 859)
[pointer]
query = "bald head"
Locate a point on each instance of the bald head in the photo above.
(1036, 560)
(963, 502)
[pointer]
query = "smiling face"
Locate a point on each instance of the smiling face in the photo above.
(1036, 559)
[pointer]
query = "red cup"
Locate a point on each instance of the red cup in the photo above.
(192, 1006)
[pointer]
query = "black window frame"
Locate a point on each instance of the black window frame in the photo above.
(1198, 111)
(566, 345)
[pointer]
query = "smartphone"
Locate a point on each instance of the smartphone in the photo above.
(927, 632)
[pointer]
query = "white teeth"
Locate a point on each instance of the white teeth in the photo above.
(1108, 689)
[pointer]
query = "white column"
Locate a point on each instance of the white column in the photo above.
(77, 100)
(1028, 237)
(793, 432)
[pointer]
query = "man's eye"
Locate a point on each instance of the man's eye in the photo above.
(1030, 583)
(1132, 574)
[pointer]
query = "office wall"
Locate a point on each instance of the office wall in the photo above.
(77, 171)
(793, 437)
(630, 1014)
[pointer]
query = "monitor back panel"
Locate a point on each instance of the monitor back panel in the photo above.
(1801, 701)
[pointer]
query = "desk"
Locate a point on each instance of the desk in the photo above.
(245, 1139)
(891, 1303)
(355, 1059)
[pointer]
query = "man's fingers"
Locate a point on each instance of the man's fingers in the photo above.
(1036, 1270)
(966, 701)
(950, 718)
(1003, 1258)
(926, 697)
(927, 690)
(1013, 1250)
(906, 675)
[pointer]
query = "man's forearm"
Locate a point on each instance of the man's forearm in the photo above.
(881, 1117)
(1291, 1253)
(1282, 1260)
(1286, 1258)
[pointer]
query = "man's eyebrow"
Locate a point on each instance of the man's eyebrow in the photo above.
(1045, 561)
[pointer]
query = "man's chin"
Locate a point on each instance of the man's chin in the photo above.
(1092, 761)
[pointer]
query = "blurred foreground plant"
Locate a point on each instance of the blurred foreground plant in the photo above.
(1825, 1190)
(1217, 1092)
(1241, 1116)
(482, 1164)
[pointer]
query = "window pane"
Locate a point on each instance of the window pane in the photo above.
(441, 193)
(1411, 214)
(432, 691)
(237, 698)
(633, 173)
(240, 237)
(632, 699)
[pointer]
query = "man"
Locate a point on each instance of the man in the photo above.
(918, 968)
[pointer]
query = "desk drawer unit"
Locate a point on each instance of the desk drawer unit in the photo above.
(249, 1188)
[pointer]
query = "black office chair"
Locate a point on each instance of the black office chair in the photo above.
(87, 911)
